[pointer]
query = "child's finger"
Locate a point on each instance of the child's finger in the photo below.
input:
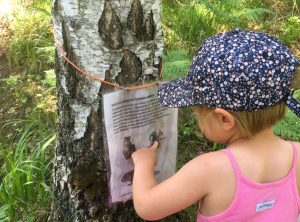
(154, 145)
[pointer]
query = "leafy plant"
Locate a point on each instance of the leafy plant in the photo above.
(46, 53)
(41, 6)
(289, 127)
(232, 13)
(11, 81)
(196, 20)
(175, 64)
(291, 30)
(3, 213)
(50, 80)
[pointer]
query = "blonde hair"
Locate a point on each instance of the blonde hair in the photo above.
(250, 123)
(253, 122)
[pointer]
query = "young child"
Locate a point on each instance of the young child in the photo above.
(238, 84)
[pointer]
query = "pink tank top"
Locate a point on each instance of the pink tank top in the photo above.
(261, 202)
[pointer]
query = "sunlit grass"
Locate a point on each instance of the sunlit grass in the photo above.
(30, 39)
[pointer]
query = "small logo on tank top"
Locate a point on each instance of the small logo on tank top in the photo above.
(265, 205)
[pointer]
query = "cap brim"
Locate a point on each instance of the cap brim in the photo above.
(177, 93)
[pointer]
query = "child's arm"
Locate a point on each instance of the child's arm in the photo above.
(154, 201)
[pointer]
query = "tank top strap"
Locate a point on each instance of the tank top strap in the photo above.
(233, 162)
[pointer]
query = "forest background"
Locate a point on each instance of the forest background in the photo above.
(28, 86)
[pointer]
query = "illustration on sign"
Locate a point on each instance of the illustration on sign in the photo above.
(135, 119)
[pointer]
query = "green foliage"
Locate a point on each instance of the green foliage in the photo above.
(192, 24)
(296, 7)
(291, 30)
(175, 64)
(289, 127)
(195, 20)
(190, 140)
(11, 81)
(50, 80)
(13, 85)
(4, 213)
(232, 13)
(41, 6)
(30, 36)
(46, 54)
(25, 191)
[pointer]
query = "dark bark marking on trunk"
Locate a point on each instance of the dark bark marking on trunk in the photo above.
(131, 68)
(63, 106)
(55, 7)
(149, 28)
(65, 36)
(108, 77)
(85, 178)
(64, 136)
(110, 27)
(144, 31)
(135, 19)
(75, 24)
(159, 66)
(156, 75)
(150, 78)
(85, 175)
(88, 175)
(72, 77)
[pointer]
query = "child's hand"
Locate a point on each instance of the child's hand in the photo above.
(146, 156)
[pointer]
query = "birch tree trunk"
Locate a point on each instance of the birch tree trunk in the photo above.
(120, 41)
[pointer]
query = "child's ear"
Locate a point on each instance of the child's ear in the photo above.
(226, 119)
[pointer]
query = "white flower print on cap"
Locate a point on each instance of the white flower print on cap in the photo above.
(238, 70)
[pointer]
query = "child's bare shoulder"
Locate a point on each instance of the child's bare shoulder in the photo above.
(212, 164)
(213, 159)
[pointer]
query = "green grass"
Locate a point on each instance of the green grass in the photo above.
(30, 48)
(27, 127)
(25, 192)
(187, 23)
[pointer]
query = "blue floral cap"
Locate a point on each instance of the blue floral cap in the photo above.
(238, 70)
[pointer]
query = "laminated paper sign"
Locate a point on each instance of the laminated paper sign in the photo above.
(135, 119)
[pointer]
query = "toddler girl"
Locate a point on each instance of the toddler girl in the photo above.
(238, 85)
